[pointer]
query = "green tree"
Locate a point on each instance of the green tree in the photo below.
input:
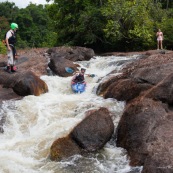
(111, 24)
(78, 22)
(35, 27)
(129, 24)
(104, 25)
(2, 48)
(9, 10)
(3, 27)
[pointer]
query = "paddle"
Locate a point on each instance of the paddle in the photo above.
(70, 70)
(91, 75)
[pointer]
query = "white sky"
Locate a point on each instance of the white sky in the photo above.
(24, 3)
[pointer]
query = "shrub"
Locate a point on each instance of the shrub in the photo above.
(2, 48)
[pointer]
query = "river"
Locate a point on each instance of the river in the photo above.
(35, 122)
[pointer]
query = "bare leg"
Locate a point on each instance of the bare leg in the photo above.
(161, 46)
(158, 44)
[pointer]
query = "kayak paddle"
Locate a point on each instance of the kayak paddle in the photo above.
(69, 70)
(91, 75)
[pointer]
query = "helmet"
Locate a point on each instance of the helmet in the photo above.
(14, 26)
(83, 69)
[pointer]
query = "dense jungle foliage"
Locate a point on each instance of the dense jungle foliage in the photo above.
(104, 25)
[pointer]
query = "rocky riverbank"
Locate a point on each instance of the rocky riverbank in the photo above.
(146, 126)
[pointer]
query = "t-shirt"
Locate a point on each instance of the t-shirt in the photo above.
(9, 34)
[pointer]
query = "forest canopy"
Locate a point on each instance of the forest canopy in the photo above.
(104, 25)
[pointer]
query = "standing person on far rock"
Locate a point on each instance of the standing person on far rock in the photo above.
(159, 35)
(10, 40)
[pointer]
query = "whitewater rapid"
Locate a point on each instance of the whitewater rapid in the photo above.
(35, 122)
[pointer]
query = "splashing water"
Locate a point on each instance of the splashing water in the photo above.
(34, 123)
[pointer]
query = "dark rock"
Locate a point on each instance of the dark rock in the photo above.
(2, 64)
(91, 134)
(94, 131)
(137, 77)
(57, 64)
(29, 84)
(126, 89)
(137, 126)
(63, 148)
(163, 91)
(153, 74)
(73, 53)
(8, 94)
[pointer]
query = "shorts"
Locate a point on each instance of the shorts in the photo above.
(159, 39)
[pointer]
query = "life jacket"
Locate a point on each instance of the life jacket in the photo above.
(11, 40)
(79, 78)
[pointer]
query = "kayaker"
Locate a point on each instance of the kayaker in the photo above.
(79, 77)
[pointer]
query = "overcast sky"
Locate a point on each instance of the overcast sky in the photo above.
(24, 3)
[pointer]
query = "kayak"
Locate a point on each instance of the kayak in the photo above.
(78, 87)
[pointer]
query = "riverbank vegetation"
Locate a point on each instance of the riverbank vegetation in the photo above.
(104, 25)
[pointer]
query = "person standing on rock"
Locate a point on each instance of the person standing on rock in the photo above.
(159, 36)
(10, 40)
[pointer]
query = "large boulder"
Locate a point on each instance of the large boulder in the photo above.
(91, 134)
(29, 84)
(73, 53)
(137, 125)
(24, 84)
(58, 65)
(94, 131)
(146, 131)
(137, 77)
(130, 88)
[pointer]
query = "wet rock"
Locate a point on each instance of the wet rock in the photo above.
(104, 85)
(91, 134)
(23, 84)
(58, 64)
(8, 94)
(63, 148)
(2, 121)
(29, 84)
(94, 131)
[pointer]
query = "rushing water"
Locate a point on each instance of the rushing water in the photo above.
(34, 123)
